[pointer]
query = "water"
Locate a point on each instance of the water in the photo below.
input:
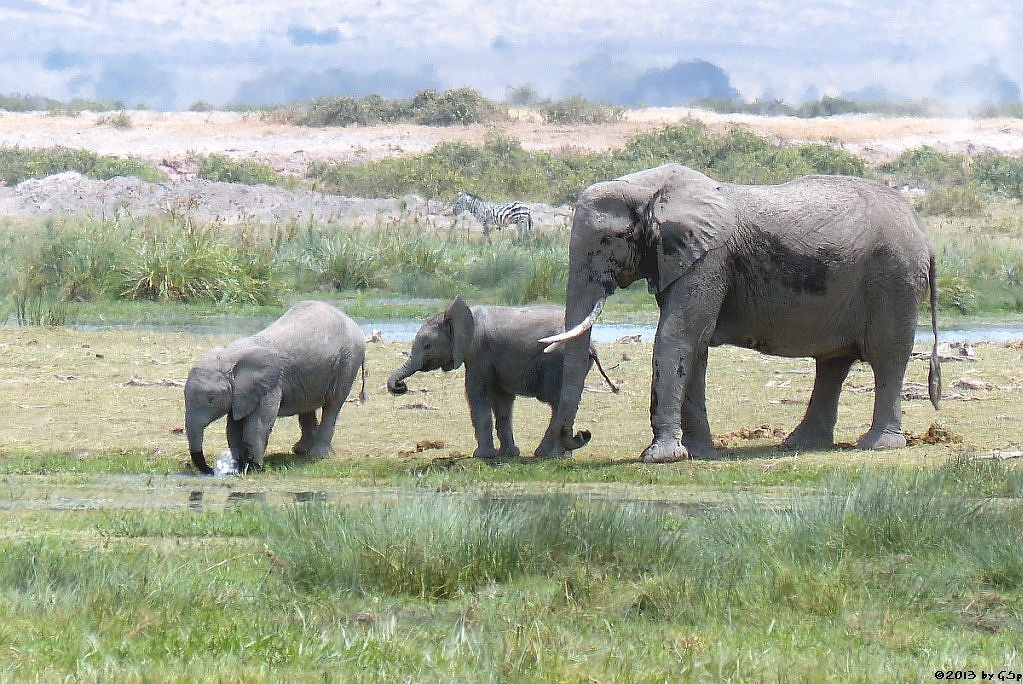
(113, 492)
(404, 331)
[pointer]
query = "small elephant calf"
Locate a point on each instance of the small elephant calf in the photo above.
(502, 360)
(305, 360)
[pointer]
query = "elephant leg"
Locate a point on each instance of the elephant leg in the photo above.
(887, 345)
(481, 413)
(503, 404)
(817, 429)
(256, 431)
(321, 445)
(235, 442)
(886, 425)
(696, 436)
(550, 445)
(308, 423)
(684, 329)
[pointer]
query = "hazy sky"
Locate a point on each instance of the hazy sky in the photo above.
(170, 53)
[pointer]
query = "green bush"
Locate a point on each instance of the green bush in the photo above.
(961, 200)
(18, 164)
(219, 167)
(463, 106)
(576, 109)
(927, 167)
(427, 107)
(998, 173)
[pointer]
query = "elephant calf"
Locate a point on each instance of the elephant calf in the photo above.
(305, 360)
(502, 360)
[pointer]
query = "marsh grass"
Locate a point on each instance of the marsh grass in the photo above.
(175, 260)
(870, 575)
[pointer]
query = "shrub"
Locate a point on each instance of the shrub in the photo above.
(119, 120)
(998, 173)
(462, 106)
(576, 109)
(219, 167)
(961, 200)
(427, 107)
(18, 164)
(927, 167)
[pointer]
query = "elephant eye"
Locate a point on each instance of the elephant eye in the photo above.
(427, 345)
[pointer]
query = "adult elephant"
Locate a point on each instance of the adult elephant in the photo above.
(825, 266)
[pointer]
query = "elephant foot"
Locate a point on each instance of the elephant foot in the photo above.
(510, 451)
(881, 439)
(314, 450)
(700, 450)
(665, 451)
(486, 452)
(554, 453)
(805, 439)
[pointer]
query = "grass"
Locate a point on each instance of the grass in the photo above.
(18, 163)
(417, 563)
(79, 270)
(884, 575)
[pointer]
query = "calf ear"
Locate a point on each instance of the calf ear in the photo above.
(255, 373)
(458, 318)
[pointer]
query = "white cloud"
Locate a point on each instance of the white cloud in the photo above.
(763, 44)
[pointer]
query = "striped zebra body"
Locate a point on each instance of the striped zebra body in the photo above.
(495, 214)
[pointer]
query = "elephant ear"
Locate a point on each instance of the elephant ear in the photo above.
(255, 373)
(460, 322)
(687, 217)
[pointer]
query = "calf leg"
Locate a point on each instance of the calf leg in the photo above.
(503, 404)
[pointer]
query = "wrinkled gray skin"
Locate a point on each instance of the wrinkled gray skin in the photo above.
(829, 267)
(502, 360)
(305, 360)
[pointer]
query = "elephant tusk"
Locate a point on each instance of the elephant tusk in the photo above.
(556, 342)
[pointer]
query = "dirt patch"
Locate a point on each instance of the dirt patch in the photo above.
(72, 194)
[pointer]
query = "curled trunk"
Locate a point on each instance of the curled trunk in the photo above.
(583, 301)
(195, 430)
(396, 380)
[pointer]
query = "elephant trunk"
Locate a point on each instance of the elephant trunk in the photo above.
(396, 380)
(194, 429)
(583, 302)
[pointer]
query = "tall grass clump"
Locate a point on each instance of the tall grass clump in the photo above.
(440, 547)
(196, 265)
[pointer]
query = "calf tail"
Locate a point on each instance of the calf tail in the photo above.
(362, 392)
(934, 374)
(596, 360)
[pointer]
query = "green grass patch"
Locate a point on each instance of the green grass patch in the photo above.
(220, 167)
(18, 164)
(868, 576)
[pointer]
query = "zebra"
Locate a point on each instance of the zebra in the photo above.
(493, 214)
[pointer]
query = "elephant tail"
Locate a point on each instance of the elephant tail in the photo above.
(362, 392)
(934, 375)
(596, 360)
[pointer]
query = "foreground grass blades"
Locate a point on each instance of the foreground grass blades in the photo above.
(890, 574)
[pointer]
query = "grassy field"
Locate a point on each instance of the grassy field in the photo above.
(398, 558)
